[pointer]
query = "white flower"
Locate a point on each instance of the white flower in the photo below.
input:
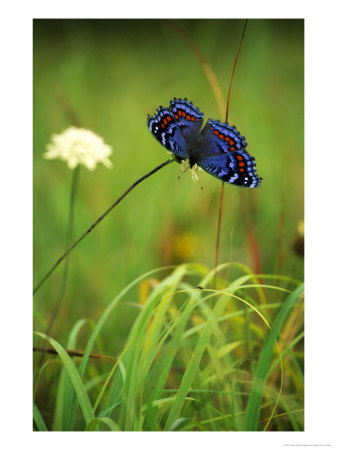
(79, 146)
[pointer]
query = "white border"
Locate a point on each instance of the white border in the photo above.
(321, 225)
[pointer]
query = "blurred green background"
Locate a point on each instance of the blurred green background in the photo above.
(111, 74)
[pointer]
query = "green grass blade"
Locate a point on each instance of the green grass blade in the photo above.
(75, 378)
(180, 423)
(58, 422)
(64, 415)
(135, 375)
(101, 322)
(108, 378)
(107, 313)
(194, 362)
(255, 399)
(38, 419)
(286, 351)
(112, 426)
(163, 365)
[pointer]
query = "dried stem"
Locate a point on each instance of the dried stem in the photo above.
(79, 353)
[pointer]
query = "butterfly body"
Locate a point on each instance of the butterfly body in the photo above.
(218, 148)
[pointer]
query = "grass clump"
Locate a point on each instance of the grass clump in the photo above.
(195, 358)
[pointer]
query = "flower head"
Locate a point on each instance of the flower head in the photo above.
(79, 146)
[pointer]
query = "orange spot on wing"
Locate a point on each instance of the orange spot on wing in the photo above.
(165, 121)
(239, 157)
(168, 118)
(221, 136)
(193, 118)
(231, 142)
(227, 138)
(216, 132)
(232, 148)
(176, 116)
(184, 114)
(162, 125)
(241, 164)
(188, 117)
(179, 113)
(242, 170)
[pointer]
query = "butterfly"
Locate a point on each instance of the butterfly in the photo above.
(218, 148)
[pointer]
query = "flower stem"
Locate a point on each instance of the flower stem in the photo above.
(74, 184)
(66, 253)
(57, 306)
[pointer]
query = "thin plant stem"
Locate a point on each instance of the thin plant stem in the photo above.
(79, 353)
(58, 303)
(74, 185)
(234, 67)
(222, 184)
(66, 253)
(252, 241)
(282, 218)
(217, 246)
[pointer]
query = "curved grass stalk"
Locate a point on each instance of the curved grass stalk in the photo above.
(285, 414)
(71, 248)
(189, 372)
(149, 340)
(176, 321)
(197, 354)
(254, 402)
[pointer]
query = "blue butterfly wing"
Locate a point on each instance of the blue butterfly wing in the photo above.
(222, 153)
(188, 118)
(165, 129)
(236, 167)
(219, 149)
(220, 138)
